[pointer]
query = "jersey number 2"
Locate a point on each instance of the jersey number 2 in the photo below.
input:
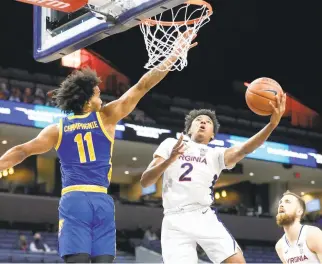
(81, 149)
(184, 177)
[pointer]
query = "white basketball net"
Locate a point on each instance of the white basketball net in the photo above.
(160, 39)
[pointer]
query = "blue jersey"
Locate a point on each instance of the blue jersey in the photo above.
(85, 150)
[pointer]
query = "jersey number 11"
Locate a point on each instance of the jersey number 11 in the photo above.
(81, 149)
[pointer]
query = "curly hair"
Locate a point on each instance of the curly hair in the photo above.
(195, 113)
(75, 91)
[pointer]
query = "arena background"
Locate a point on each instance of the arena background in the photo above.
(244, 40)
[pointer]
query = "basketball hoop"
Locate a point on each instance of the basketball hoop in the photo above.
(160, 36)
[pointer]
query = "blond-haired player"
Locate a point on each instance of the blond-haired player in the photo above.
(300, 243)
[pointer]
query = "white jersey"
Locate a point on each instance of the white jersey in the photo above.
(299, 252)
(190, 179)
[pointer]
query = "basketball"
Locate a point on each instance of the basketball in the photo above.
(260, 92)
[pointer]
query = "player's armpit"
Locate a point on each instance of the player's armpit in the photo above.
(45, 141)
(232, 156)
(237, 153)
(154, 171)
(279, 250)
(314, 241)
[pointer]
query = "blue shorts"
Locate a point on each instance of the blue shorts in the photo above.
(86, 224)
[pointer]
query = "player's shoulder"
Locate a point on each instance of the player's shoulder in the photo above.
(279, 249)
(50, 133)
(169, 141)
(313, 231)
(313, 235)
(52, 129)
(279, 244)
(165, 148)
(102, 116)
(312, 228)
(217, 150)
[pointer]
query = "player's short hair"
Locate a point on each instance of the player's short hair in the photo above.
(300, 200)
(195, 113)
(76, 90)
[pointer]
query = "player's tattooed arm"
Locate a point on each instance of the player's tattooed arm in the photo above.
(44, 142)
(279, 250)
(314, 241)
(122, 107)
(237, 153)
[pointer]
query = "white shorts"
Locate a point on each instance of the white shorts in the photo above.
(182, 231)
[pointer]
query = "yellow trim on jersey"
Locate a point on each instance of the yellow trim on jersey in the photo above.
(60, 135)
(79, 116)
(109, 175)
(84, 188)
(60, 226)
(103, 128)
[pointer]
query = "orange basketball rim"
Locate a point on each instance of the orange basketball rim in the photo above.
(153, 22)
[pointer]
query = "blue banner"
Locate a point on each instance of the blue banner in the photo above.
(28, 115)
(38, 116)
(271, 151)
(41, 116)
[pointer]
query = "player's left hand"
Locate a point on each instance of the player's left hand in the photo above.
(185, 39)
(279, 110)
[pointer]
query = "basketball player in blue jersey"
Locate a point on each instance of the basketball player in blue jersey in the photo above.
(84, 144)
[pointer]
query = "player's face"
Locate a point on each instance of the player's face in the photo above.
(202, 129)
(288, 210)
(95, 103)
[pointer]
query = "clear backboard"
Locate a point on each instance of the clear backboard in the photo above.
(58, 33)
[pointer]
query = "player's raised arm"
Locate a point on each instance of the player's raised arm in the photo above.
(44, 142)
(314, 241)
(118, 109)
(237, 153)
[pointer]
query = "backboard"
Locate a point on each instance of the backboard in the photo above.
(57, 33)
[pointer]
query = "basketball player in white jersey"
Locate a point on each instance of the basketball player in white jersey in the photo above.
(190, 170)
(300, 243)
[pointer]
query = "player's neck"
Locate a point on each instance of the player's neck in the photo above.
(80, 114)
(292, 231)
(194, 139)
(86, 109)
(84, 112)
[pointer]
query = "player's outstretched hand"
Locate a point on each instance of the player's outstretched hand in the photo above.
(185, 39)
(278, 110)
(178, 149)
(186, 35)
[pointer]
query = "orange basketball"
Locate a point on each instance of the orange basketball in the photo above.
(260, 92)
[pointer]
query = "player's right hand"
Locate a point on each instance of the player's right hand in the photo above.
(178, 149)
(278, 110)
